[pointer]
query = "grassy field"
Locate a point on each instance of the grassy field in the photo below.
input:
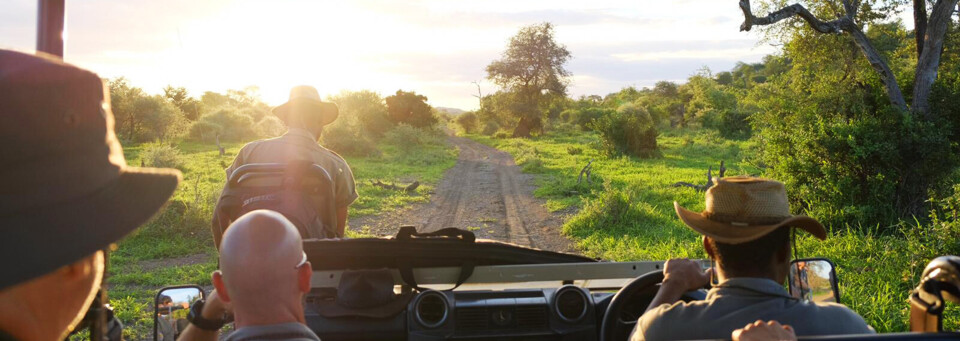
(627, 213)
(176, 247)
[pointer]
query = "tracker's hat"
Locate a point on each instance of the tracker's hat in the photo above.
(65, 188)
(743, 209)
(305, 102)
(364, 293)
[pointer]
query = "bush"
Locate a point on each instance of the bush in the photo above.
(629, 131)
(502, 135)
(346, 139)
(574, 150)
(490, 128)
(204, 131)
(875, 170)
(160, 155)
(469, 122)
(270, 126)
(405, 135)
(231, 125)
(586, 117)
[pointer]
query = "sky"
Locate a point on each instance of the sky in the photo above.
(437, 48)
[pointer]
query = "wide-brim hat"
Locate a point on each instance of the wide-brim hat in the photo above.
(364, 293)
(743, 209)
(305, 104)
(65, 188)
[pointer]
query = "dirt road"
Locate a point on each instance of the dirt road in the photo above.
(485, 193)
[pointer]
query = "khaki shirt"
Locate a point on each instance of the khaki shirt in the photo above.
(299, 144)
(739, 301)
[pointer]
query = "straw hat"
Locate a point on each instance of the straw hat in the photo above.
(65, 189)
(743, 209)
(305, 101)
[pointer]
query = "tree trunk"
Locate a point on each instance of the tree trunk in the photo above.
(919, 23)
(929, 59)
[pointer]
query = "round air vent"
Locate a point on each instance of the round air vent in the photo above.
(570, 303)
(431, 309)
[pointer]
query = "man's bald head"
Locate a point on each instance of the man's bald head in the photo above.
(258, 258)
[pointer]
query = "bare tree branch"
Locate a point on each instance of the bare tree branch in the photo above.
(929, 60)
(844, 24)
(796, 9)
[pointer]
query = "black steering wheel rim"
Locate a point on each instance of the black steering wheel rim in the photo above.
(611, 319)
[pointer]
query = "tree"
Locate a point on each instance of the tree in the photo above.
(929, 34)
(532, 66)
(122, 99)
(847, 139)
(190, 106)
(410, 108)
(367, 107)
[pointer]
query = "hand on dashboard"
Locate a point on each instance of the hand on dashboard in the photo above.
(685, 274)
(759, 330)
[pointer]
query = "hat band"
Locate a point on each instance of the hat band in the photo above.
(734, 219)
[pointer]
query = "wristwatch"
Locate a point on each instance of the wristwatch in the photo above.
(196, 318)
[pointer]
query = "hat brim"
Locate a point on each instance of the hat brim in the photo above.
(327, 112)
(730, 234)
(330, 309)
(77, 228)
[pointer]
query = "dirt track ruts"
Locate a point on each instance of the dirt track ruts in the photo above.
(485, 192)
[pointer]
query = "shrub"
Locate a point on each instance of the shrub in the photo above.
(347, 139)
(270, 126)
(874, 170)
(404, 135)
(585, 117)
(629, 131)
(204, 131)
(469, 122)
(160, 155)
(231, 125)
(490, 128)
(502, 135)
(574, 150)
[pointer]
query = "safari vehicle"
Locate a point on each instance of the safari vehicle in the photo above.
(447, 285)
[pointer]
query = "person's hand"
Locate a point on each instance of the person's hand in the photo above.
(214, 308)
(185, 305)
(685, 274)
(759, 330)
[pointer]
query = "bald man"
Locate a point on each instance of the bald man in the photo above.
(263, 277)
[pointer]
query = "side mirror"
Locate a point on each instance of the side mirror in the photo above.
(171, 306)
(814, 279)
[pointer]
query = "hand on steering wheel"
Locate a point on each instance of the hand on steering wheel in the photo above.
(684, 277)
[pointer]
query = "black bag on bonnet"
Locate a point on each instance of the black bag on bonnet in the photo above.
(299, 190)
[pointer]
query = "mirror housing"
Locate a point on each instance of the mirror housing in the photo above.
(170, 309)
(814, 279)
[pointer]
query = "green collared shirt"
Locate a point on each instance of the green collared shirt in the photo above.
(299, 144)
(739, 301)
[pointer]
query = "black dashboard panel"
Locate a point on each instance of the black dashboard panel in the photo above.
(503, 315)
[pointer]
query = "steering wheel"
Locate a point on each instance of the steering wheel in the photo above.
(615, 329)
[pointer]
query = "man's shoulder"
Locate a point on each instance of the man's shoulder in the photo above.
(836, 312)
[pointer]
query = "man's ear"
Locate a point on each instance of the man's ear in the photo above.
(304, 273)
(217, 279)
(783, 254)
(82, 268)
(707, 247)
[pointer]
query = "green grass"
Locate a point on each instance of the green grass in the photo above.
(627, 213)
(176, 247)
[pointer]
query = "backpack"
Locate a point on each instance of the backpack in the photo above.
(301, 191)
